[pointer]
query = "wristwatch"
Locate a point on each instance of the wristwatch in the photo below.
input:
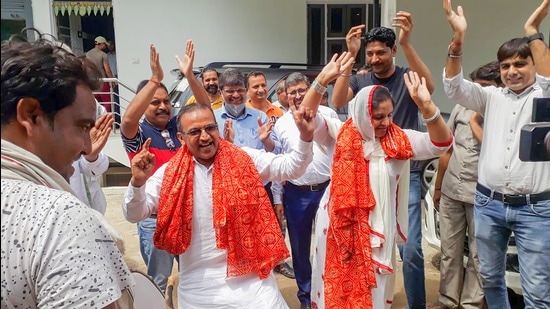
(536, 36)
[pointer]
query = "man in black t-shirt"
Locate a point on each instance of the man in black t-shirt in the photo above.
(380, 50)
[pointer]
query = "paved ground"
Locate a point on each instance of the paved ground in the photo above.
(287, 286)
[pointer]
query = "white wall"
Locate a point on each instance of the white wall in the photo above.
(43, 17)
(490, 23)
(237, 30)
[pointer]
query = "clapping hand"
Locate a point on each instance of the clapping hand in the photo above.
(418, 90)
(186, 65)
(142, 165)
(228, 132)
(264, 130)
(403, 21)
(456, 19)
(335, 67)
(353, 39)
(154, 61)
(99, 135)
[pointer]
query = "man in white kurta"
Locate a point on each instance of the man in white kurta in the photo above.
(203, 267)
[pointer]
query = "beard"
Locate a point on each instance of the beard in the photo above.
(212, 90)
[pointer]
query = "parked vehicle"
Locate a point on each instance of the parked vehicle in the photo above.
(432, 236)
(274, 72)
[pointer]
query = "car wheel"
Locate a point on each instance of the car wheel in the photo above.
(428, 173)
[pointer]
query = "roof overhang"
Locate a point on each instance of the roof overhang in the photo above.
(82, 8)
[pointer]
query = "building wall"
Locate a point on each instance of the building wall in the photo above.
(267, 30)
(237, 30)
(490, 23)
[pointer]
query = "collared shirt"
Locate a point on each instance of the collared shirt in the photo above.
(504, 113)
(246, 128)
(215, 103)
(279, 105)
(163, 153)
(85, 181)
(273, 112)
(289, 135)
(460, 178)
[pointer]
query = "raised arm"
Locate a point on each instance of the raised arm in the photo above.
(403, 21)
(186, 67)
(330, 72)
(342, 93)
(539, 50)
(458, 25)
(437, 128)
(138, 105)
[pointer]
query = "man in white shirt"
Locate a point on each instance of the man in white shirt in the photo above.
(85, 180)
(211, 262)
(302, 195)
(512, 195)
(56, 251)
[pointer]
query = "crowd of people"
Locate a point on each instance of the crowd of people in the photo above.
(217, 186)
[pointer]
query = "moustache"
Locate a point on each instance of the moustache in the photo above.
(162, 112)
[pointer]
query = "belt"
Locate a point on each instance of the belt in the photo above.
(513, 199)
(154, 216)
(312, 188)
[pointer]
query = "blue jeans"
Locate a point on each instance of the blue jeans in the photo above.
(159, 262)
(411, 252)
(494, 222)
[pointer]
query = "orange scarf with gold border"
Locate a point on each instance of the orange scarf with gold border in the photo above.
(245, 223)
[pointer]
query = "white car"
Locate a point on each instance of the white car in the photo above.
(432, 236)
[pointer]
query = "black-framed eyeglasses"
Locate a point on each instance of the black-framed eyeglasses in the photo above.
(301, 91)
(209, 129)
(169, 142)
(232, 91)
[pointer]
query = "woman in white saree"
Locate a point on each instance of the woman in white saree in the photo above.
(364, 212)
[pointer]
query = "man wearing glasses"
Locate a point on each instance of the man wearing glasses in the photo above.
(152, 102)
(252, 127)
(302, 195)
(215, 214)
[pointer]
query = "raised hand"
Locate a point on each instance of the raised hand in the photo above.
(186, 65)
(335, 67)
(154, 60)
(264, 130)
(304, 118)
(533, 23)
(455, 19)
(228, 132)
(418, 90)
(99, 135)
(353, 39)
(142, 165)
(403, 21)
